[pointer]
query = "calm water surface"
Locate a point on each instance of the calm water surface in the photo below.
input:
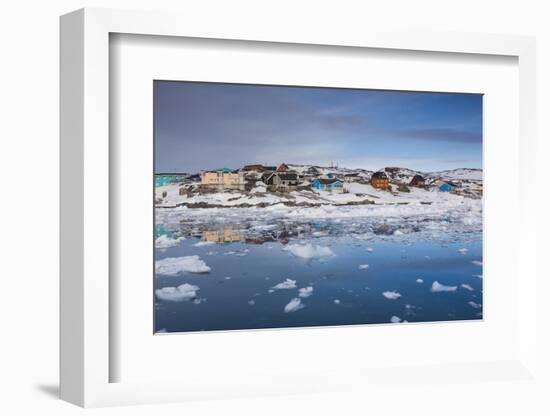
(238, 291)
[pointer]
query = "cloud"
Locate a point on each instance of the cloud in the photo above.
(445, 134)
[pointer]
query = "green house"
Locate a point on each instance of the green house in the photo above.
(163, 179)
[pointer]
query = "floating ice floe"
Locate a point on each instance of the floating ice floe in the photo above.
(463, 251)
(395, 319)
(166, 242)
(198, 301)
(172, 266)
(477, 263)
(181, 293)
(474, 305)
(370, 249)
(438, 287)
(287, 284)
(479, 276)
(467, 287)
(251, 302)
(294, 305)
(309, 251)
(397, 232)
(337, 301)
(203, 243)
(239, 253)
(305, 292)
(363, 266)
(392, 295)
(419, 280)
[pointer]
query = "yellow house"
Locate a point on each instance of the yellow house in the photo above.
(223, 178)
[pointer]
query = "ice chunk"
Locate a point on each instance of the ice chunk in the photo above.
(181, 293)
(309, 251)
(477, 263)
(419, 280)
(463, 251)
(363, 266)
(251, 302)
(294, 305)
(392, 295)
(287, 284)
(438, 287)
(474, 305)
(203, 243)
(337, 301)
(479, 276)
(166, 242)
(395, 319)
(467, 287)
(305, 292)
(397, 232)
(171, 266)
(370, 249)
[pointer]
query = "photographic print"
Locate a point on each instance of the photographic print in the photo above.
(289, 206)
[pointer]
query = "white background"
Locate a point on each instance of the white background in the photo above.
(138, 60)
(29, 209)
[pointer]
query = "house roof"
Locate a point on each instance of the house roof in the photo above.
(379, 175)
(325, 181)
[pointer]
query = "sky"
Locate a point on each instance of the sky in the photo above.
(202, 126)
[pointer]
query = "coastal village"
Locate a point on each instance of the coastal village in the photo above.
(309, 185)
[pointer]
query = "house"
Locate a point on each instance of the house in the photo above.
(380, 180)
(326, 184)
(283, 167)
(163, 179)
(280, 180)
(443, 186)
(254, 168)
(351, 177)
(417, 180)
(223, 178)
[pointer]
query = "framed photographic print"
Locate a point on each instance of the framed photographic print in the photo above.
(286, 206)
(273, 212)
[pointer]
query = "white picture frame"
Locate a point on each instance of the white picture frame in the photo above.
(85, 208)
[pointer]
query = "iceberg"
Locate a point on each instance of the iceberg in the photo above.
(172, 266)
(181, 293)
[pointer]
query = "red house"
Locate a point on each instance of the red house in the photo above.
(283, 167)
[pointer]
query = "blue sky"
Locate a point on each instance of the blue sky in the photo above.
(209, 125)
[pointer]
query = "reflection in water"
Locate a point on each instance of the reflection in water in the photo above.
(225, 235)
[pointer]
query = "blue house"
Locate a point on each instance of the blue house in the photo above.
(333, 185)
(444, 186)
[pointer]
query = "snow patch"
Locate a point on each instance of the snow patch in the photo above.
(171, 266)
